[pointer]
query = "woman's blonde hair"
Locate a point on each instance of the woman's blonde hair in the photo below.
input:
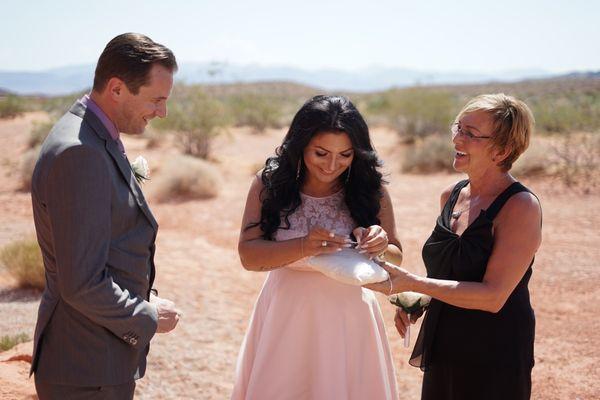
(512, 122)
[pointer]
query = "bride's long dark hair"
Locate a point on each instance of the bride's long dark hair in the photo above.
(280, 196)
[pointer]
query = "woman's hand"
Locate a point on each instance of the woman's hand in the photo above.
(401, 320)
(372, 241)
(322, 241)
(400, 280)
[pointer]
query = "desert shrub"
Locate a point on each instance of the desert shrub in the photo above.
(559, 105)
(7, 342)
(186, 177)
(26, 167)
(11, 106)
(578, 160)
(39, 131)
(196, 118)
(539, 160)
(430, 154)
(23, 260)
(274, 98)
(58, 105)
(256, 111)
(574, 160)
(567, 112)
(154, 138)
(415, 112)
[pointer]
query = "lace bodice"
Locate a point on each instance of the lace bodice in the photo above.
(328, 212)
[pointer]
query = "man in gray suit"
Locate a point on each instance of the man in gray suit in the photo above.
(98, 311)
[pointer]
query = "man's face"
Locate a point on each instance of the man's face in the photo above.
(136, 110)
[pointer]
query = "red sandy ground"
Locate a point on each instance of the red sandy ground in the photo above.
(198, 267)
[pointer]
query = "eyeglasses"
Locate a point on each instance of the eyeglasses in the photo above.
(456, 129)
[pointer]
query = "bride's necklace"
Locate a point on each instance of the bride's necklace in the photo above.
(457, 214)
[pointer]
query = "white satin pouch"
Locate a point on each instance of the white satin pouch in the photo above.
(349, 266)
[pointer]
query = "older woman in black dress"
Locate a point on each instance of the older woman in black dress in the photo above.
(476, 341)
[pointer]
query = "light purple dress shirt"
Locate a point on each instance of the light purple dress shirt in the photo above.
(108, 124)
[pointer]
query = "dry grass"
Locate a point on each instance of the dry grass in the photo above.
(23, 260)
(7, 342)
(184, 178)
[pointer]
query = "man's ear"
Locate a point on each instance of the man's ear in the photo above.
(116, 89)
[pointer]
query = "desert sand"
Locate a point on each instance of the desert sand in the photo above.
(198, 268)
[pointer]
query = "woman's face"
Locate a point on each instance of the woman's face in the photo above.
(327, 156)
(472, 143)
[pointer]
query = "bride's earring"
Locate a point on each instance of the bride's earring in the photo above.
(348, 175)
(299, 168)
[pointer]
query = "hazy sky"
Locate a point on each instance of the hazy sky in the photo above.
(429, 35)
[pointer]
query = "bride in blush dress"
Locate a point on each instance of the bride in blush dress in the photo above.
(310, 336)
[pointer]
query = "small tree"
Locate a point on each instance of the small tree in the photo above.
(196, 118)
(415, 112)
(256, 111)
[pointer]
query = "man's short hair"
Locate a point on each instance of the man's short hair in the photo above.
(129, 57)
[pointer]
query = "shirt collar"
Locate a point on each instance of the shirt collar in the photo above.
(108, 124)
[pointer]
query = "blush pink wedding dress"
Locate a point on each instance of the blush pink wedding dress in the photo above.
(311, 337)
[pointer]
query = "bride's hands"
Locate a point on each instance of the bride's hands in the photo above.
(322, 241)
(372, 240)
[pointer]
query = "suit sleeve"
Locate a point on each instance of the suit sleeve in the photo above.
(79, 207)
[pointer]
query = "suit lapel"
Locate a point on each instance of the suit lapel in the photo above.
(122, 162)
(129, 177)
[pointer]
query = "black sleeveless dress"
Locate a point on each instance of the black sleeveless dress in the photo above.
(472, 354)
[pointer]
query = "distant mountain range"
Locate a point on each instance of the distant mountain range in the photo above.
(77, 78)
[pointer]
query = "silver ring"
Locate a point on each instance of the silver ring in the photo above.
(324, 243)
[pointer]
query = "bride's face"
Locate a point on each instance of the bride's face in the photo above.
(327, 156)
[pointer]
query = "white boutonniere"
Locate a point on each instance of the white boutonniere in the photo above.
(140, 170)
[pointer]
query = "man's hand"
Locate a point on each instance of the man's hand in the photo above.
(168, 315)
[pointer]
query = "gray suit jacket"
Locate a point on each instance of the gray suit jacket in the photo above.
(97, 238)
